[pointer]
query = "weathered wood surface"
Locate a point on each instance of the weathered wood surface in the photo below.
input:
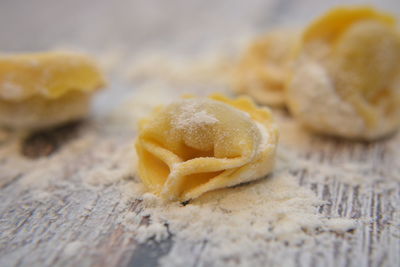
(52, 214)
(71, 223)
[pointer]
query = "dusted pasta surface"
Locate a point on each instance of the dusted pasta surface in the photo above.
(349, 62)
(41, 90)
(263, 68)
(197, 145)
(47, 74)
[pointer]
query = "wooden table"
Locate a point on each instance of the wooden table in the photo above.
(56, 208)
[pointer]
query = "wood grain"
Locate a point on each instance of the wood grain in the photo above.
(53, 215)
(76, 224)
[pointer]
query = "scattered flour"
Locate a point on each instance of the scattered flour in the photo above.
(315, 102)
(121, 163)
(276, 209)
(140, 103)
(295, 153)
(273, 208)
(213, 69)
(156, 230)
(73, 248)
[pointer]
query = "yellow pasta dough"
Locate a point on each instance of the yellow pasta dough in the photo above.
(44, 89)
(346, 78)
(263, 68)
(200, 144)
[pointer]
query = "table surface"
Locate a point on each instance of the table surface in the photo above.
(50, 216)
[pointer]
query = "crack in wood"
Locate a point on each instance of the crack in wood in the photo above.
(148, 254)
(11, 180)
(46, 142)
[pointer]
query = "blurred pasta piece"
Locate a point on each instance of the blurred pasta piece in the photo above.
(262, 70)
(346, 76)
(45, 89)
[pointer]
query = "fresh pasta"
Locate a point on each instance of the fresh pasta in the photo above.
(44, 89)
(346, 76)
(196, 145)
(262, 70)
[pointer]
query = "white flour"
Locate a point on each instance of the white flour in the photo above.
(274, 209)
(192, 114)
(317, 104)
(278, 211)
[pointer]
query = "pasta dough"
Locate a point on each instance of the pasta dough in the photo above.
(44, 89)
(262, 70)
(197, 145)
(346, 79)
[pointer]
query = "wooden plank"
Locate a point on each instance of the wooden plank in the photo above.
(56, 209)
(73, 223)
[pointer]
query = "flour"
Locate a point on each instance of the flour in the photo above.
(121, 163)
(271, 215)
(294, 153)
(73, 248)
(332, 94)
(264, 137)
(272, 210)
(211, 68)
(192, 114)
(140, 103)
(315, 102)
(275, 208)
(204, 74)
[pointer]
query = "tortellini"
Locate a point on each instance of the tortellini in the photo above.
(262, 71)
(346, 77)
(195, 145)
(44, 89)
